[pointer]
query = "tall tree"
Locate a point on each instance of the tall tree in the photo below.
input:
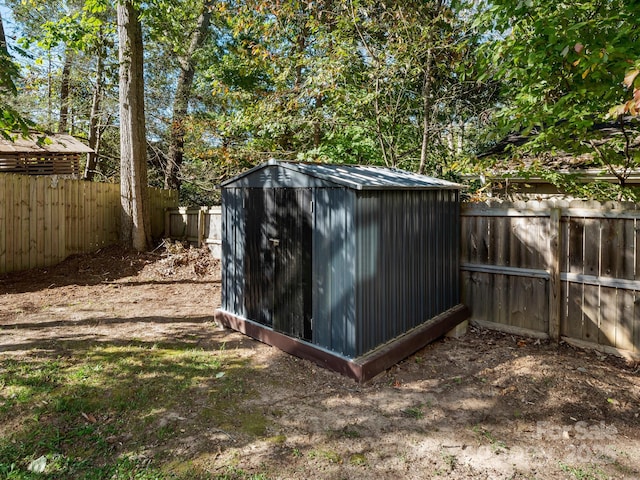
(135, 227)
(65, 80)
(10, 119)
(96, 102)
(175, 154)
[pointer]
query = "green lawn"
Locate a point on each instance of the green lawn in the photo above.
(102, 413)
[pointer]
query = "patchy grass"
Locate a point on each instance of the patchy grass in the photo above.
(584, 472)
(91, 415)
(416, 412)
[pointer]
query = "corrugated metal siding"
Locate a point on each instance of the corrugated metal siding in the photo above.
(267, 257)
(259, 210)
(380, 262)
(407, 269)
(334, 258)
(233, 251)
(292, 309)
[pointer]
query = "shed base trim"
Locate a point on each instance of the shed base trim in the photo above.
(362, 368)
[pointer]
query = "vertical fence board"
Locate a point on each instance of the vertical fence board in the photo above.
(500, 289)
(12, 247)
(611, 244)
(481, 301)
(48, 227)
(41, 194)
(115, 214)
(24, 224)
(575, 264)
(99, 215)
(575, 251)
(628, 249)
(92, 217)
(595, 250)
(482, 235)
(609, 316)
(592, 247)
(465, 240)
(45, 219)
(33, 224)
(71, 195)
(55, 226)
(3, 223)
(518, 311)
(61, 223)
(11, 233)
(554, 232)
(472, 252)
(522, 232)
(13, 212)
(591, 266)
(624, 328)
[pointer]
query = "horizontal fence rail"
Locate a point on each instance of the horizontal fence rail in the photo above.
(564, 270)
(45, 219)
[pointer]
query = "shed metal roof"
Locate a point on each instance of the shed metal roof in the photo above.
(358, 177)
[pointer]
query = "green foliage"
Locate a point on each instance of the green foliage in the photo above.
(341, 82)
(561, 66)
(11, 120)
(368, 82)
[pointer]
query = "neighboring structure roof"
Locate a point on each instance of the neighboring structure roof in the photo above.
(54, 143)
(358, 177)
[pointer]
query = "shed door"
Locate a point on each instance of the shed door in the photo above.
(278, 266)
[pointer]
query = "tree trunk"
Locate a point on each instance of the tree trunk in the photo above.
(3, 39)
(181, 100)
(92, 157)
(63, 122)
(426, 114)
(135, 230)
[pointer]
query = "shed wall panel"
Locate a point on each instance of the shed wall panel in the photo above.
(233, 251)
(333, 263)
(407, 270)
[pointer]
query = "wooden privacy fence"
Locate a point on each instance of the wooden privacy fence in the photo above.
(45, 219)
(555, 269)
(198, 226)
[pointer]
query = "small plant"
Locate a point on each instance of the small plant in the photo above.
(416, 412)
(496, 445)
(450, 460)
(583, 473)
(328, 455)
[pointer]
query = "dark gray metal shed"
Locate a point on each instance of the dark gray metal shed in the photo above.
(353, 267)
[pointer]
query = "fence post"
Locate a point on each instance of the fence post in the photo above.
(167, 223)
(555, 301)
(201, 226)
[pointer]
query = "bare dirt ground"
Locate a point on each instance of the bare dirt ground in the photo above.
(487, 405)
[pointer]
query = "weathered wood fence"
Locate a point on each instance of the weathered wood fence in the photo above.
(562, 270)
(45, 219)
(198, 226)
(556, 270)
